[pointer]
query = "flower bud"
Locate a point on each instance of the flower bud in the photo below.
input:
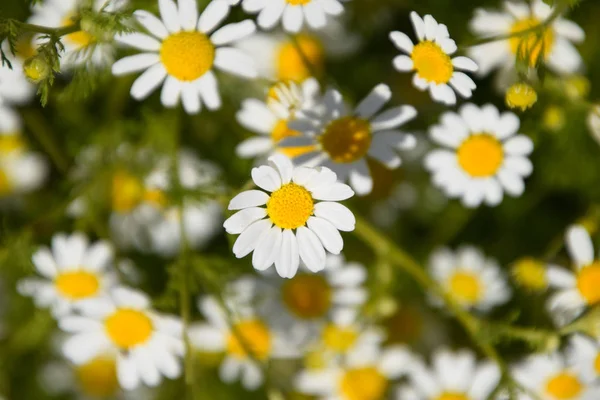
(521, 95)
(36, 69)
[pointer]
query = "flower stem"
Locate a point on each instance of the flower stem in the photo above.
(56, 32)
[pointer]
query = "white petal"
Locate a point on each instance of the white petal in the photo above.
(393, 118)
(209, 91)
(402, 41)
(340, 216)
(315, 15)
(443, 93)
(327, 234)
(250, 237)
(464, 63)
(151, 23)
(44, 263)
(190, 98)
(332, 7)
(310, 249)
(559, 277)
(148, 82)
(265, 177)
(214, 13)
(334, 192)
(242, 219)
(293, 18)
(188, 14)
(267, 249)
(430, 27)
(249, 198)
(169, 15)
(418, 24)
(579, 245)
(139, 41)
(360, 178)
(171, 91)
(508, 125)
(374, 101)
(236, 62)
(269, 16)
(233, 32)
(513, 184)
(284, 166)
(519, 145)
(403, 63)
(288, 260)
(127, 373)
(134, 63)
(98, 256)
(253, 147)
(252, 376)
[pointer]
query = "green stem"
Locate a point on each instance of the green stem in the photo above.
(38, 126)
(57, 32)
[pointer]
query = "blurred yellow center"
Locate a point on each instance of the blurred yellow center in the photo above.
(290, 206)
(297, 2)
(530, 46)
(291, 65)
(11, 142)
(431, 63)
(187, 55)
(5, 186)
(280, 132)
(588, 283)
(307, 296)
(255, 336)
(597, 364)
(363, 384)
(520, 95)
(452, 396)
(24, 48)
(466, 287)
(128, 328)
(564, 386)
(530, 274)
(80, 38)
(346, 139)
(339, 339)
(77, 285)
(128, 192)
(480, 155)
(98, 378)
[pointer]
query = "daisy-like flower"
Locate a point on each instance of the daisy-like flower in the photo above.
(552, 43)
(295, 224)
(147, 343)
(14, 86)
(71, 272)
(366, 373)
(247, 334)
(285, 102)
(344, 139)
(552, 377)
(484, 156)
(584, 354)
(434, 69)
(293, 13)
(181, 53)
(579, 289)
(470, 278)
(453, 376)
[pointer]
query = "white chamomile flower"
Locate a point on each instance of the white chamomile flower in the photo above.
(452, 376)
(247, 334)
(15, 89)
(552, 377)
(366, 373)
(301, 220)
(285, 102)
(147, 343)
(484, 157)
(181, 53)
(578, 289)
(552, 44)
(343, 139)
(584, 354)
(293, 13)
(470, 278)
(430, 59)
(71, 271)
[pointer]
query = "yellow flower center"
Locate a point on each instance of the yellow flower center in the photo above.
(255, 337)
(280, 132)
(307, 296)
(5, 185)
(363, 384)
(588, 283)
(431, 63)
(452, 396)
(98, 378)
(290, 206)
(297, 2)
(530, 46)
(466, 287)
(77, 285)
(187, 55)
(554, 118)
(520, 95)
(339, 339)
(128, 328)
(80, 38)
(128, 192)
(597, 364)
(11, 142)
(530, 274)
(480, 155)
(564, 386)
(291, 65)
(346, 139)
(316, 359)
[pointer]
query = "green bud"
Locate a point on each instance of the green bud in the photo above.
(36, 69)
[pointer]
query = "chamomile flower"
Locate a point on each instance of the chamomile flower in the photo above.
(434, 69)
(366, 373)
(147, 343)
(552, 377)
(576, 290)
(71, 271)
(470, 278)
(552, 44)
(15, 89)
(452, 376)
(484, 156)
(181, 53)
(344, 139)
(247, 334)
(584, 354)
(293, 14)
(285, 102)
(295, 224)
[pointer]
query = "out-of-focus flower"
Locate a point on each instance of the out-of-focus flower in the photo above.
(430, 59)
(577, 86)
(471, 279)
(575, 290)
(15, 89)
(485, 159)
(521, 95)
(551, 44)
(286, 101)
(554, 118)
(593, 122)
(292, 226)
(453, 376)
(552, 377)
(147, 343)
(343, 138)
(181, 53)
(72, 272)
(293, 13)
(531, 274)
(583, 353)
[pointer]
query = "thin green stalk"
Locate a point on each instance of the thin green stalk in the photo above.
(57, 32)
(38, 126)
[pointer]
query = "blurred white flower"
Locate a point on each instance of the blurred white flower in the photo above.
(583, 353)
(15, 89)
